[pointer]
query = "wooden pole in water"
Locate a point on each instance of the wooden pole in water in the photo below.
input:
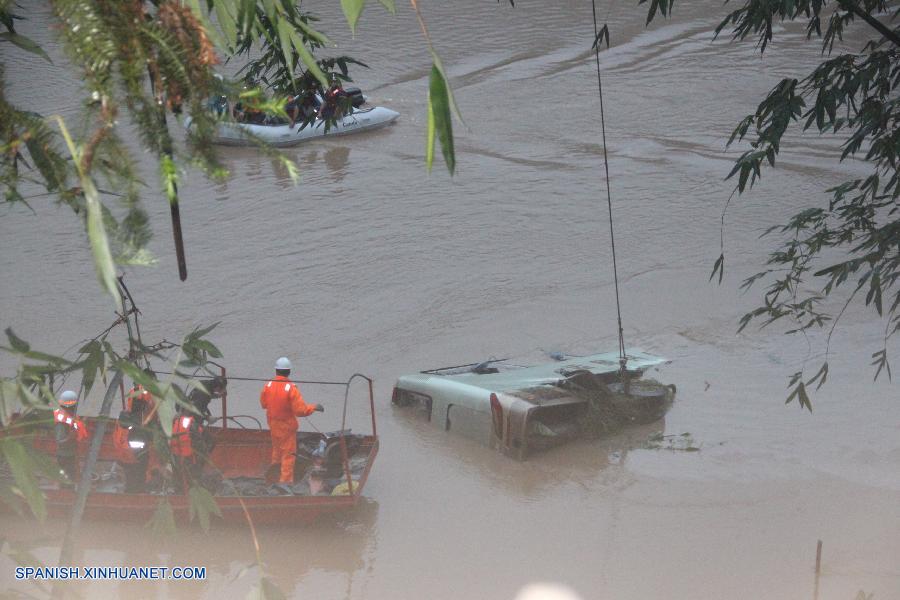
(818, 569)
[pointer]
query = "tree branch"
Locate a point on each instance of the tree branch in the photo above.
(875, 23)
(68, 545)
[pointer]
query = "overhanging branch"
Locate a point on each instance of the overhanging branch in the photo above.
(875, 23)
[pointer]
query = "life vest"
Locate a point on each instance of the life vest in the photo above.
(124, 452)
(139, 400)
(62, 416)
(181, 443)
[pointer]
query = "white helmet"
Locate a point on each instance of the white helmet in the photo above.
(283, 364)
(68, 398)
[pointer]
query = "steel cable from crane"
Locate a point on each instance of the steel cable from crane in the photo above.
(612, 238)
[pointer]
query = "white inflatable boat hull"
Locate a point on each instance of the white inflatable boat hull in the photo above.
(230, 133)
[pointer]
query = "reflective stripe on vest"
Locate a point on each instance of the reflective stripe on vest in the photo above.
(64, 417)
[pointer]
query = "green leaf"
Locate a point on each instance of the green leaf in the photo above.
(92, 363)
(25, 481)
(199, 333)
(602, 35)
(440, 67)
(308, 59)
(103, 261)
(10, 499)
(430, 136)
(439, 112)
(821, 376)
(162, 523)
(389, 4)
(26, 44)
(166, 411)
(202, 504)
(719, 267)
(169, 173)
(352, 10)
(881, 360)
(208, 347)
(18, 344)
(227, 22)
(266, 590)
(313, 33)
(284, 37)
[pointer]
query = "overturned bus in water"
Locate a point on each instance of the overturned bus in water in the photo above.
(523, 409)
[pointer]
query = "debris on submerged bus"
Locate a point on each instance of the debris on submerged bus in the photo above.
(523, 409)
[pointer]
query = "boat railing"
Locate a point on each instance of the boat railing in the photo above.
(345, 455)
(226, 418)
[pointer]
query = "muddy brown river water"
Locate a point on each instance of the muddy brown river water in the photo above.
(372, 265)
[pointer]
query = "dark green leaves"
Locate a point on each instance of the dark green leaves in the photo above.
(602, 35)
(844, 250)
(16, 343)
(799, 392)
(198, 350)
(719, 268)
(94, 362)
(880, 360)
(820, 377)
(8, 19)
(25, 44)
(663, 6)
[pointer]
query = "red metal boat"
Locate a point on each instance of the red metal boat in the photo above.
(238, 454)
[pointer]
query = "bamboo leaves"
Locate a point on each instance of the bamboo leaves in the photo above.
(162, 523)
(439, 120)
(266, 589)
(96, 229)
(352, 11)
(440, 105)
(25, 43)
(307, 58)
(846, 249)
(602, 35)
(226, 16)
(25, 467)
(202, 505)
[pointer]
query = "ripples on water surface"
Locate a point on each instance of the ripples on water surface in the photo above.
(372, 265)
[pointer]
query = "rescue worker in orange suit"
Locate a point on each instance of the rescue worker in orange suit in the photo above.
(132, 439)
(69, 430)
(141, 403)
(189, 448)
(333, 101)
(283, 403)
(132, 444)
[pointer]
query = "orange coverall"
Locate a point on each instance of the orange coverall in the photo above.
(284, 403)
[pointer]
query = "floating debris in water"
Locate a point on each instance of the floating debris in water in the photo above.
(676, 443)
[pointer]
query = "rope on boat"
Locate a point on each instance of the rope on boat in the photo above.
(622, 358)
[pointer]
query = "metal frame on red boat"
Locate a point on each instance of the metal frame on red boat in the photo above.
(237, 452)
